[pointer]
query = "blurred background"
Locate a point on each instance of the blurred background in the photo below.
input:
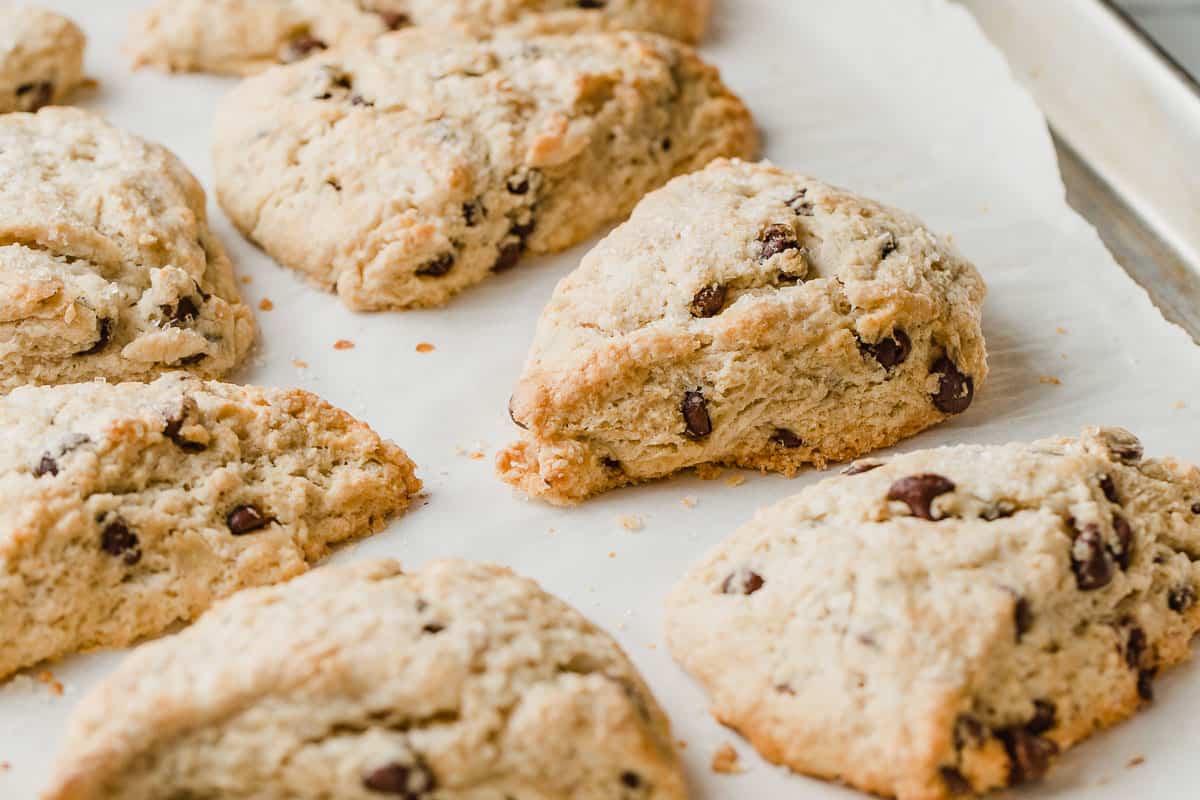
(1175, 24)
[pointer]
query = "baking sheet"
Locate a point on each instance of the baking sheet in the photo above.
(900, 99)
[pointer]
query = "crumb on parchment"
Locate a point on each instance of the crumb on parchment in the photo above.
(631, 522)
(266, 305)
(343, 344)
(46, 677)
(725, 761)
(298, 364)
(1136, 761)
(709, 472)
(425, 347)
(1049, 379)
(735, 481)
(688, 502)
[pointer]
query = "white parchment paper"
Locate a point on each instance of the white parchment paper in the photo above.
(903, 100)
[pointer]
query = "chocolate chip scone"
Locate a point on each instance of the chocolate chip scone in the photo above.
(107, 265)
(41, 57)
(128, 507)
(948, 622)
(456, 682)
(404, 172)
(243, 37)
(747, 316)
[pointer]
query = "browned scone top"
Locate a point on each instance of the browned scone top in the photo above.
(128, 507)
(947, 622)
(401, 173)
(750, 316)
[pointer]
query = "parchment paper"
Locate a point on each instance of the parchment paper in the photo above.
(903, 100)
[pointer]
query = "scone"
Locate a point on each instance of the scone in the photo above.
(948, 622)
(41, 57)
(107, 265)
(242, 37)
(456, 682)
(403, 172)
(128, 507)
(746, 316)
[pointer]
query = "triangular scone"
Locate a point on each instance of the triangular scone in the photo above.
(128, 507)
(456, 681)
(947, 622)
(242, 37)
(747, 316)
(401, 173)
(108, 268)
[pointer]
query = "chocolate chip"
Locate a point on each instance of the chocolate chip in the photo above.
(666, 144)
(246, 519)
(859, 467)
(191, 360)
(695, 414)
(301, 47)
(1109, 489)
(103, 336)
(1093, 564)
(359, 100)
(437, 267)
(509, 257)
(118, 540)
(473, 211)
(523, 230)
(955, 390)
(742, 582)
(630, 779)
(1028, 753)
(172, 429)
(395, 20)
(1145, 684)
(518, 184)
(433, 628)
(801, 206)
(33, 96)
(611, 463)
(1045, 716)
(411, 782)
(1123, 445)
(1124, 555)
(888, 248)
(45, 466)
(777, 239)
(1181, 598)
(511, 416)
(919, 492)
(1022, 617)
(968, 731)
(1135, 647)
(1196, 508)
(709, 301)
(956, 784)
(787, 439)
(889, 351)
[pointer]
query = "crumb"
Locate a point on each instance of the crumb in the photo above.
(631, 522)
(1136, 761)
(298, 364)
(682, 744)
(246, 279)
(612, 555)
(1050, 379)
(725, 761)
(343, 344)
(688, 502)
(425, 347)
(47, 677)
(709, 472)
(1060, 330)
(735, 481)
(478, 456)
(552, 531)
(266, 305)
(1179, 405)
(475, 453)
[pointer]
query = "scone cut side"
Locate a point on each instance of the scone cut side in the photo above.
(132, 506)
(948, 622)
(107, 265)
(452, 681)
(496, 150)
(41, 58)
(245, 37)
(745, 316)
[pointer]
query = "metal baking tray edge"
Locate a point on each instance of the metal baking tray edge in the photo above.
(1126, 121)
